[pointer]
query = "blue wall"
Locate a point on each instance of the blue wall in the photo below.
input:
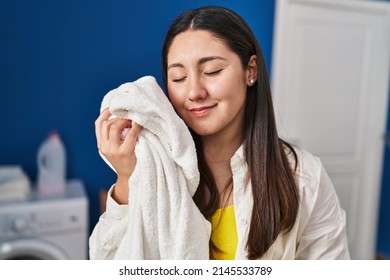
(383, 242)
(59, 58)
(383, 238)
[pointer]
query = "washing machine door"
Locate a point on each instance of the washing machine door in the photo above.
(30, 249)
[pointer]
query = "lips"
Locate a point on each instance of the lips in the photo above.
(202, 111)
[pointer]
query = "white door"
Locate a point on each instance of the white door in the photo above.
(330, 78)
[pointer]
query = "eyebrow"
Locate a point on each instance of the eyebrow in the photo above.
(200, 61)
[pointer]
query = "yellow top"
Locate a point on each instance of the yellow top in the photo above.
(224, 234)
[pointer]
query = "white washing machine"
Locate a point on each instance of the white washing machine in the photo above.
(46, 227)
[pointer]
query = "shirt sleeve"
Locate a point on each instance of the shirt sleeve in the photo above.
(324, 235)
(109, 231)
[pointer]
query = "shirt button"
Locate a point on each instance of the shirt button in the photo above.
(243, 221)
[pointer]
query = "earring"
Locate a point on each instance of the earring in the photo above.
(251, 81)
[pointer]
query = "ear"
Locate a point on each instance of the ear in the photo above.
(251, 71)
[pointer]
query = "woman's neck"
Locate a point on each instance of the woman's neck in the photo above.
(221, 148)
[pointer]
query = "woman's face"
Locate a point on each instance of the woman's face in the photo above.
(206, 83)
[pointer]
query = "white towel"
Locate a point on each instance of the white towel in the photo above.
(164, 222)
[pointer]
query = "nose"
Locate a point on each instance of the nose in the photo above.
(197, 90)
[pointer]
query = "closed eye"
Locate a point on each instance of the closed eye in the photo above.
(178, 80)
(213, 73)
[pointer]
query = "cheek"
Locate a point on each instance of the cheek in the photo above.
(232, 90)
(176, 99)
(233, 85)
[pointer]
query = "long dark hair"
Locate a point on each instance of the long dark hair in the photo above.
(275, 194)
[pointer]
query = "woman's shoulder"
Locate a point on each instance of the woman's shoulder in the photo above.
(309, 170)
(307, 161)
(302, 159)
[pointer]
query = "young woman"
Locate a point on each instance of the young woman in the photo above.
(264, 198)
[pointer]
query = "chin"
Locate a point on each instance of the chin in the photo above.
(203, 131)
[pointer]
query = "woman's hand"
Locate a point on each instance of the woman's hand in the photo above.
(119, 152)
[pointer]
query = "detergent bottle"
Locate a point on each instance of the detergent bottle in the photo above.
(51, 160)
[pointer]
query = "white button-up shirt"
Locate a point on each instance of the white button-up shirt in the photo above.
(319, 231)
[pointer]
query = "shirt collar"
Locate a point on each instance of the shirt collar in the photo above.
(238, 159)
